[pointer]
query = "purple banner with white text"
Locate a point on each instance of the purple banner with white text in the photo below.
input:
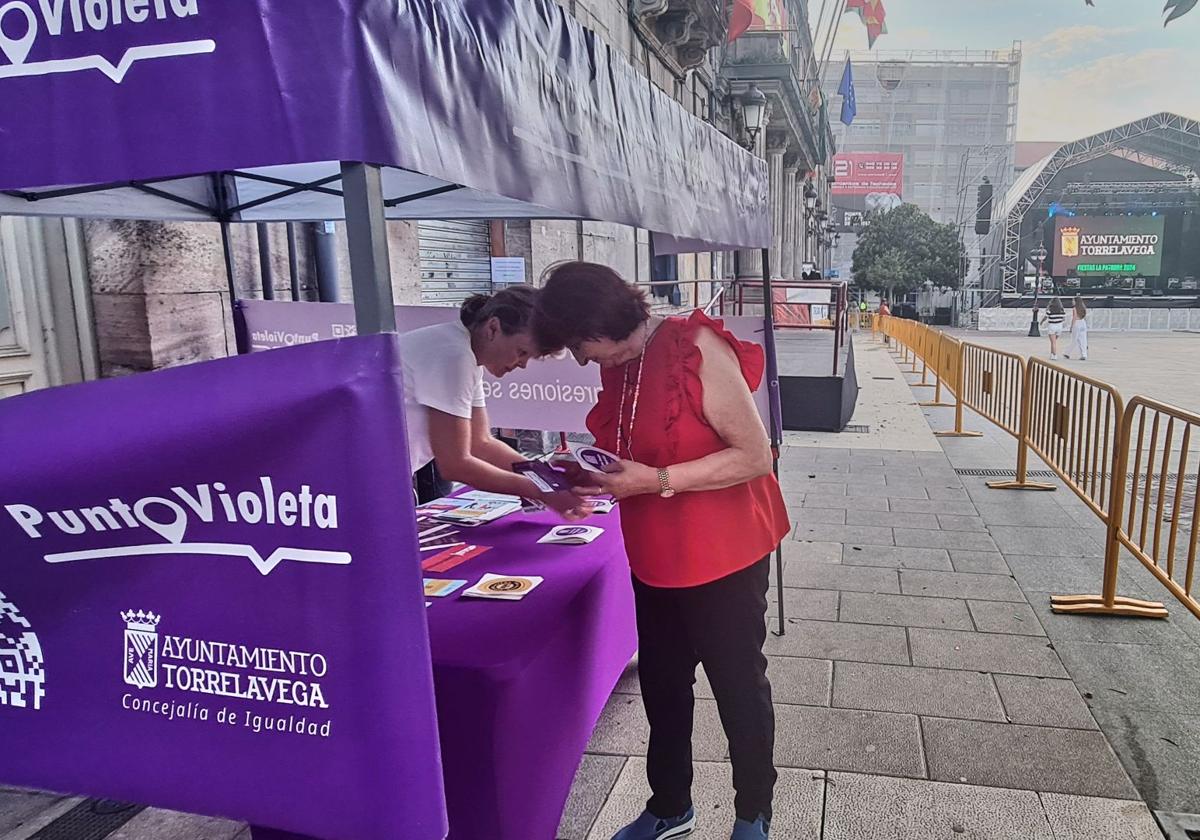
(208, 609)
(552, 395)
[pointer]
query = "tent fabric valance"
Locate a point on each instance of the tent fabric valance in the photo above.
(475, 109)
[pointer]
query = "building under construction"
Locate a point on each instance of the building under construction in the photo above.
(951, 115)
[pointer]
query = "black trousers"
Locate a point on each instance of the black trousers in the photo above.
(721, 625)
(429, 484)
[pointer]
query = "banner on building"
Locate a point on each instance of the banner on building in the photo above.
(550, 394)
(865, 182)
(210, 601)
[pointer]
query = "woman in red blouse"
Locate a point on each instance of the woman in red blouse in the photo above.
(700, 513)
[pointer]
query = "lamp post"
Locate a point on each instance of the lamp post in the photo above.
(1038, 254)
(754, 113)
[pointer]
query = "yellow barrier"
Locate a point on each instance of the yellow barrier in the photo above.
(1128, 462)
(1157, 490)
(947, 352)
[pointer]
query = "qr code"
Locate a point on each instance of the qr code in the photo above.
(22, 669)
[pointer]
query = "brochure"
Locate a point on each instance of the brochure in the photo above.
(571, 535)
(503, 587)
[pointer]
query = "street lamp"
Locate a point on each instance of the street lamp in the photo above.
(1039, 254)
(810, 195)
(754, 113)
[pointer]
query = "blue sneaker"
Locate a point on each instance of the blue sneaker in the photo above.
(650, 827)
(756, 830)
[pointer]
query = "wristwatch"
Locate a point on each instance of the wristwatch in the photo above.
(666, 491)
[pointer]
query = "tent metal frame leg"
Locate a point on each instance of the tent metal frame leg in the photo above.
(366, 235)
(776, 420)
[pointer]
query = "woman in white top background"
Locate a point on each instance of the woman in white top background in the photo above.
(444, 403)
(1079, 330)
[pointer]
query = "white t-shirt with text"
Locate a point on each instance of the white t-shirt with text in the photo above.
(440, 372)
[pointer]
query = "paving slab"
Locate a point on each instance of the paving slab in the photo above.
(593, 781)
(950, 522)
(813, 500)
(816, 604)
(840, 640)
(960, 585)
(948, 494)
(853, 534)
(1161, 751)
(848, 739)
(1024, 757)
(823, 516)
(897, 557)
(969, 540)
(841, 577)
(799, 797)
(623, 730)
(1044, 542)
(953, 508)
(1000, 617)
(979, 562)
(889, 492)
(1132, 677)
(919, 691)
(29, 810)
(818, 552)
(905, 611)
(1039, 701)
(990, 652)
(171, 825)
(799, 682)
(861, 807)
(1075, 575)
(925, 521)
(1024, 511)
(1093, 818)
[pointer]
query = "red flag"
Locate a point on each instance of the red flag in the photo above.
(873, 16)
(741, 18)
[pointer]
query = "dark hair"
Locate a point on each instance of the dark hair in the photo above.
(582, 301)
(1055, 307)
(512, 305)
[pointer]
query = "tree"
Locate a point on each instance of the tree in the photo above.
(899, 250)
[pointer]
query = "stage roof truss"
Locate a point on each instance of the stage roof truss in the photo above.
(1165, 141)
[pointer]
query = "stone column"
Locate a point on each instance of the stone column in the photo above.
(776, 149)
(787, 266)
(749, 260)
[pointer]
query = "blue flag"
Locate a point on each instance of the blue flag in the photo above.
(846, 91)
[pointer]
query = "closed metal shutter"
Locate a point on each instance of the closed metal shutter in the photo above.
(456, 261)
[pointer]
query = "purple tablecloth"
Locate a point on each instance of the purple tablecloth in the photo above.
(521, 684)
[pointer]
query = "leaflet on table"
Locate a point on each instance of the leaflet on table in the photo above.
(503, 587)
(462, 510)
(571, 535)
(441, 587)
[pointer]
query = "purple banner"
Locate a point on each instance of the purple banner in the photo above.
(512, 98)
(210, 600)
(553, 395)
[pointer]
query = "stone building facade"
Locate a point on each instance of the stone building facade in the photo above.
(145, 295)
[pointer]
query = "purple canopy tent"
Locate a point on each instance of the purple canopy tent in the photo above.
(363, 110)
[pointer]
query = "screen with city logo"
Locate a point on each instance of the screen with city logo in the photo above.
(1095, 245)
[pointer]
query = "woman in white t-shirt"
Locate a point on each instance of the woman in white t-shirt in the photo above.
(444, 404)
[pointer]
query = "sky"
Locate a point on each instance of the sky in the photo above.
(1084, 69)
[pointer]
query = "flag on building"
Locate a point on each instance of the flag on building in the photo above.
(873, 16)
(846, 91)
(758, 15)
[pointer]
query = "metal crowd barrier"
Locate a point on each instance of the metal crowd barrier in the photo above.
(1128, 462)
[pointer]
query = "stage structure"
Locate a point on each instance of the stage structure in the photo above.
(1161, 153)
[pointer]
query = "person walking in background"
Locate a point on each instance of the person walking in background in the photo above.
(1054, 320)
(1079, 330)
(700, 514)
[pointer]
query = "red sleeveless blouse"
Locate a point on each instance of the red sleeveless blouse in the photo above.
(692, 538)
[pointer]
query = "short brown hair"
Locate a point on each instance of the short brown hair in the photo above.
(583, 301)
(513, 306)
